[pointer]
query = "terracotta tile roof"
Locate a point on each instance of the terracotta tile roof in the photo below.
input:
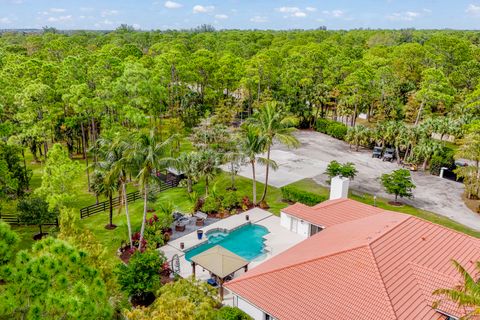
(383, 265)
(326, 214)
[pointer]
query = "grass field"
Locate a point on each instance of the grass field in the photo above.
(112, 239)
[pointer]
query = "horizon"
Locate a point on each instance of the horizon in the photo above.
(151, 15)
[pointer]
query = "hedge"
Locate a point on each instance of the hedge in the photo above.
(309, 198)
(332, 128)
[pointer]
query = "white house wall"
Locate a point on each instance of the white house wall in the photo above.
(249, 308)
(303, 228)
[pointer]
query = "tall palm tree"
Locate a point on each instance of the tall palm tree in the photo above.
(251, 145)
(466, 295)
(187, 164)
(149, 154)
(274, 125)
(119, 171)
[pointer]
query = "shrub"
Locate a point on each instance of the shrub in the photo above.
(294, 194)
(337, 130)
(140, 278)
(210, 204)
(8, 243)
(346, 170)
(333, 128)
(231, 313)
(322, 125)
(230, 201)
(442, 159)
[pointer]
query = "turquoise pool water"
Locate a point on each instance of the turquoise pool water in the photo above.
(247, 242)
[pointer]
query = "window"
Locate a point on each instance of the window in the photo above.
(268, 317)
(314, 229)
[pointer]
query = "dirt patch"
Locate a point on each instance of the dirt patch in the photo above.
(395, 203)
(473, 205)
(110, 226)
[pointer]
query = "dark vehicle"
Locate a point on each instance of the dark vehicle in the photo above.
(389, 154)
(377, 152)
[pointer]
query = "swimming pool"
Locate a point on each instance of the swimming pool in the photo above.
(246, 241)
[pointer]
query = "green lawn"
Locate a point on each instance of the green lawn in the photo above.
(312, 186)
(112, 239)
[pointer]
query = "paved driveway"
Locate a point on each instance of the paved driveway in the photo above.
(317, 150)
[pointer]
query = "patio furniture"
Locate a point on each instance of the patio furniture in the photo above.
(389, 154)
(180, 227)
(377, 152)
(212, 282)
(177, 215)
(201, 217)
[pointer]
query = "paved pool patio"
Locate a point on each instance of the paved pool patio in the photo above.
(277, 240)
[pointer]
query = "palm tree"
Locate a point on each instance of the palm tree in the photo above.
(274, 125)
(466, 295)
(357, 136)
(426, 149)
(149, 154)
(208, 166)
(251, 145)
(119, 171)
(102, 184)
(187, 163)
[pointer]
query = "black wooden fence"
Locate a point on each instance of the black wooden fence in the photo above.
(131, 197)
(13, 219)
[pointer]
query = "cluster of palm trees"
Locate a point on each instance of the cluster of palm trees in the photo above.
(122, 156)
(415, 142)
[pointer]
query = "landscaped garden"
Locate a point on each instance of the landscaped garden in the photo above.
(110, 118)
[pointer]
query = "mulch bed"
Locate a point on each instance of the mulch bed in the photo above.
(110, 226)
(395, 203)
(39, 236)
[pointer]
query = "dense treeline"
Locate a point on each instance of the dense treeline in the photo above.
(66, 88)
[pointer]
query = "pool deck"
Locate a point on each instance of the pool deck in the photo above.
(277, 240)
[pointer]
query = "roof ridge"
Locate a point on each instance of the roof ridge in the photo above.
(382, 281)
(392, 228)
(332, 202)
(247, 277)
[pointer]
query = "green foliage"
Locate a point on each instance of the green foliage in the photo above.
(231, 313)
(333, 128)
(35, 210)
(53, 281)
(230, 200)
(14, 176)
(445, 158)
(8, 243)
(211, 204)
(57, 181)
(141, 275)
(182, 299)
(399, 183)
(291, 193)
(346, 170)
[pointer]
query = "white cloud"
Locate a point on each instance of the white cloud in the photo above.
(311, 9)
(404, 16)
(60, 19)
(107, 13)
(221, 16)
(334, 13)
(299, 14)
(259, 19)
(203, 9)
(57, 10)
(172, 5)
(136, 26)
(5, 20)
(292, 11)
(473, 10)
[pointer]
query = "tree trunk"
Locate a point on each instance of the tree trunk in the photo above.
(419, 114)
(144, 218)
(254, 186)
(189, 185)
(40, 227)
(25, 167)
(266, 175)
(85, 155)
(425, 163)
(232, 176)
(206, 186)
(110, 203)
(127, 214)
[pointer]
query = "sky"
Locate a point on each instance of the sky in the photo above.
(240, 14)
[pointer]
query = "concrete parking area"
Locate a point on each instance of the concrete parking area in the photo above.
(317, 150)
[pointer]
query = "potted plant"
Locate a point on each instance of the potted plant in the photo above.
(199, 234)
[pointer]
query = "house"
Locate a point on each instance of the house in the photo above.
(362, 263)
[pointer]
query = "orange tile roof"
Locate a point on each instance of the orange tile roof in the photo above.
(326, 213)
(383, 265)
